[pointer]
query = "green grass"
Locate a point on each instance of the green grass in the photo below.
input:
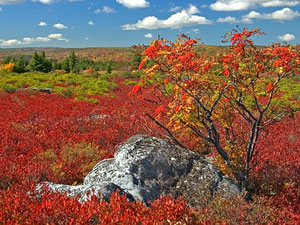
(67, 85)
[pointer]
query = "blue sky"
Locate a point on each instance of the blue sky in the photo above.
(97, 23)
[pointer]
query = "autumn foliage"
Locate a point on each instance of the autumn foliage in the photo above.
(8, 67)
(225, 102)
(59, 138)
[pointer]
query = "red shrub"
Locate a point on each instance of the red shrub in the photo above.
(48, 137)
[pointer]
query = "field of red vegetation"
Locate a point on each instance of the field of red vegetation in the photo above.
(46, 137)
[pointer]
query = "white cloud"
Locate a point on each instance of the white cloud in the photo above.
(105, 9)
(279, 3)
(60, 26)
(134, 3)
(91, 23)
(108, 10)
(287, 37)
(42, 24)
(58, 37)
(228, 19)
(237, 5)
(53, 1)
(1, 9)
(175, 9)
(149, 35)
(86, 39)
(176, 21)
(10, 2)
(232, 5)
(10, 42)
(42, 39)
(283, 14)
(279, 15)
(45, 1)
(192, 9)
(30, 40)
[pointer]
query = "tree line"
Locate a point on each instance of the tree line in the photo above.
(71, 64)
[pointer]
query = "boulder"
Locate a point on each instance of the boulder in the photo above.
(145, 167)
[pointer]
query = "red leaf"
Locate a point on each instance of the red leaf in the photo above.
(159, 110)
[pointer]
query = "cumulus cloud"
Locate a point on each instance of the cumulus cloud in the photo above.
(105, 9)
(60, 26)
(279, 15)
(42, 24)
(178, 20)
(42, 39)
(279, 3)
(91, 23)
(228, 19)
(58, 37)
(287, 37)
(237, 5)
(30, 40)
(26, 41)
(134, 3)
(9, 42)
(10, 2)
(149, 35)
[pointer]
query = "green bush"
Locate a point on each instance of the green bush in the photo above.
(66, 85)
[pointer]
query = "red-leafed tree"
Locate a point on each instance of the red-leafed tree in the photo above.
(223, 102)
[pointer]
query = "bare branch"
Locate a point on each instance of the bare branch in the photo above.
(221, 93)
(243, 107)
(197, 131)
(279, 116)
(166, 129)
(269, 101)
(247, 118)
(152, 101)
(257, 104)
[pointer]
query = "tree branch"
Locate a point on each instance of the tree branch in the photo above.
(166, 129)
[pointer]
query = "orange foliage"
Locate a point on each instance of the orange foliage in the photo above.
(60, 71)
(225, 100)
(8, 67)
(89, 71)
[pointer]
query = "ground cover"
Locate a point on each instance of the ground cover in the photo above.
(51, 137)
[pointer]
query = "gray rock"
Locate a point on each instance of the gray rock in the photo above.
(44, 90)
(144, 168)
(84, 192)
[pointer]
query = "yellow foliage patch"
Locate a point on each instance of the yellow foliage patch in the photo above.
(8, 67)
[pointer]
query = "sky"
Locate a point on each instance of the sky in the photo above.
(123, 23)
